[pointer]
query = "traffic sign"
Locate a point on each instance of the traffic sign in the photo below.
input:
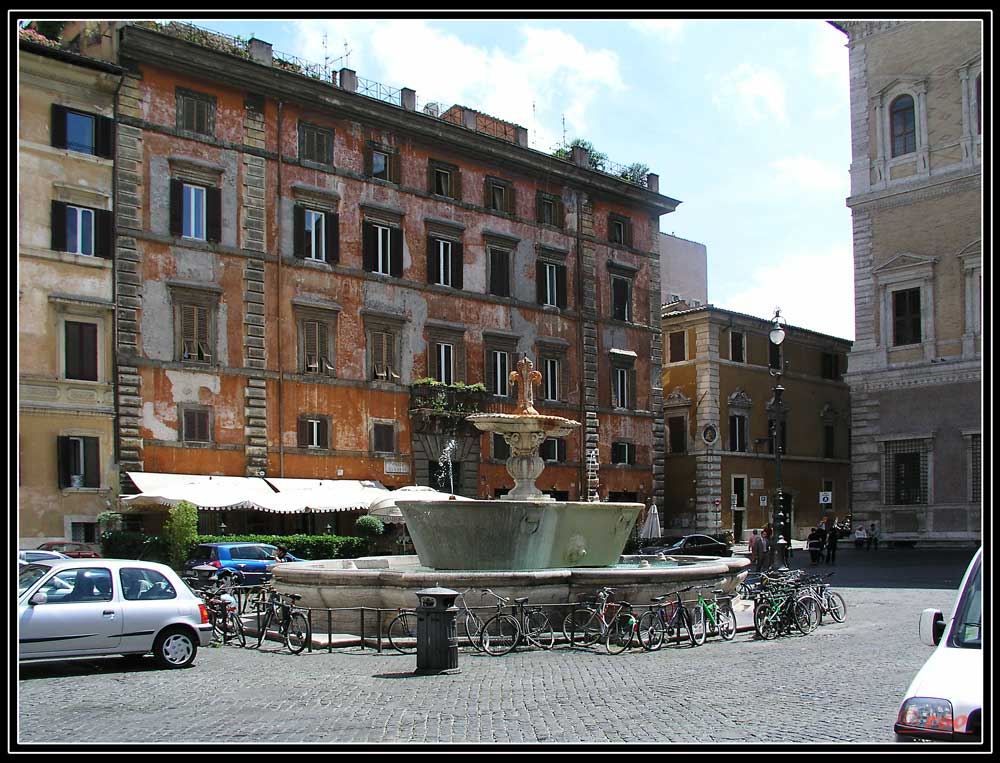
(826, 497)
(763, 500)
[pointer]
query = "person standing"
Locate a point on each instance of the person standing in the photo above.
(831, 547)
(758, 551)
(872, 537)
(860, 537)
(815, 545)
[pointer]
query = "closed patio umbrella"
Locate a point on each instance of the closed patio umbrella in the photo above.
(651, 527)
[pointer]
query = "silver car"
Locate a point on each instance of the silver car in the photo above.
(89, 607)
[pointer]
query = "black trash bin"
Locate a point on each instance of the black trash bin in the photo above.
(437, 632)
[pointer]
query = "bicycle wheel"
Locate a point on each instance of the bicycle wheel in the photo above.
(297, 632)
(699, 626)
(263, 623)
(500, 635)
(684, 629)
(539, 630)
(234, 629)
(805, 614)
(581, 627)
(836, 606)
(403, 632)
(620, 633)
(765, 623)
(473, 626)
(727, 623)
(650, 630)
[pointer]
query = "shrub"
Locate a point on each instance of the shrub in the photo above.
(369, 526)
(180, 530)
(302, 546)
(128, 544)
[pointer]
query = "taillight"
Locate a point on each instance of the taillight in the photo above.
(204, 613)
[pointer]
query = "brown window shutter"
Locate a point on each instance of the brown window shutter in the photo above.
(560, 213)
(488, 194)
(213, 214)
(91, 462)
(204, 351)
(431, 186)
(189, 320)
(59, 226)
(540, 284)
(511, 197)
(633, 404)
(539, 207)
(368, 161)
(104, 137)
(433, 266)
(58, 126)
(104, 233)
(561, 286)
(298, 232)
(176, 207)
(88, 351)
(310, 346)
(332, 228)
(369, 246)
(323, 348)
(456, 184)
(64, 460)
(396, 252)
(628, 233)
(457, 260)
(324, 434)
(303, 433)
(395, 168)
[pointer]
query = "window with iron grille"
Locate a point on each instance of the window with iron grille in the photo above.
(195, 111)
(975, 468)
(905, 472)
(315, 143)
(906, 317)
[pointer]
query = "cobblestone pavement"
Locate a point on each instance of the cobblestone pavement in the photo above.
(841, 683)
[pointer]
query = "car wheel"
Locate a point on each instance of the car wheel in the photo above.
(175, 648)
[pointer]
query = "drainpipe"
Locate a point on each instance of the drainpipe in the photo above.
(281, 373)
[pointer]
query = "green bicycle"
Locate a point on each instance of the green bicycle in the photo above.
(716, 615)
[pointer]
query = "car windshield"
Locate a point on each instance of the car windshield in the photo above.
(28, 576)
(967, 631)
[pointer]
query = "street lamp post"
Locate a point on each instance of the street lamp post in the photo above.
(777, 336)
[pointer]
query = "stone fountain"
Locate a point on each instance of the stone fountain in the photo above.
(523, 544)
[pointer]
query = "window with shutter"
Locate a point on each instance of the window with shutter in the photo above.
(80, 341)
(195, 341)
(194, 212)
(621, 298)
(380, 165)
(195, 111)
(81, 132)
(499, 272)
(906, 317)
(315, 143)
(500, 376)
(196, 427)
(314, 241)
(736, 347)
(677, 341)
(444, 367)
(79, 230)
(677, 427)
(384, 438)
(383, 356)
(550, 378)
(620, 387)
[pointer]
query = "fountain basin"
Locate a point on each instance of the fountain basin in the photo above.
(518, 535)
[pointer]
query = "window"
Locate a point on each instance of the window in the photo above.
(903, 126)
(82, 230)
(195, 112)
(677, 428)
(979, 104)
(194, 212)
(316, 235)
(831, 366)
(738, 434)
(737, 347)
(677, 343)
(80, 350)
(444, 179)
(314, 432)
(499, 265)
(383, 437)
(905, 472)
(550, 378)
(620, 387)
(78, 461)
(975, 460)
(196, 424)
(196, 336)
(906, 317)
(829, 441)
(740, 491)
(621, 298)
(622, 453)
(619, 230)
(82, 132)
(501, 450)
(549, 209)
(553, 449)
(500, 372)
(383, 249)
(550, 283)
(382, 162)
(79, 230)
(444, 368)
(444, 262)
(316, 345)
(83, 532)
(499, 196)
(383, 349)
(145, 584)
(442, 182)
(315, 143)
(380, 165)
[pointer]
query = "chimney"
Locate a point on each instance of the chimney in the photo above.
(653, 182)
(349, 80)
(260, 51)
(580, 156)
(522, 137)
(408, 99)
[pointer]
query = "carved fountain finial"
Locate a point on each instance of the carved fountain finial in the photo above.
(525, 377)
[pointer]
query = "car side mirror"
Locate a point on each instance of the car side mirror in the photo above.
(931, 626)
(39, 598)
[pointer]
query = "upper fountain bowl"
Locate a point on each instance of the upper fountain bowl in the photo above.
(551, 426)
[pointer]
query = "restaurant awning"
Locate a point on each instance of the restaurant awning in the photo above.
(385, 507)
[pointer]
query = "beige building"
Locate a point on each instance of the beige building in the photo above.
(916, 201)
(66, 463)
(720, 466)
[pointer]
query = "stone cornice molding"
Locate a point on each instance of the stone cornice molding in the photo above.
(326, 198)
(740, 399)
(676, 399)
(920, 375)
(923, 189)
(857, 30)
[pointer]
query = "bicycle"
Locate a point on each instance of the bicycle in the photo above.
(716, 614)
(402, 631)
(225, 618)
(622, 630)
(830, 602)
(471, 622)
(781, 609)
(591, 622)
(502, 633)
(655, 626)
(293, 625)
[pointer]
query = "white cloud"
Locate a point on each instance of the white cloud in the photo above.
(551, 74)
(804, 173)
(670, 29)
(750, 92)
(814, 290)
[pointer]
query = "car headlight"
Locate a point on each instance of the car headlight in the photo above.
(928, 713)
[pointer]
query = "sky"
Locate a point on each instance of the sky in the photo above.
(747, 123)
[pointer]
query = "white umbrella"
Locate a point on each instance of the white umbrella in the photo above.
(385, 507)
(651, 527)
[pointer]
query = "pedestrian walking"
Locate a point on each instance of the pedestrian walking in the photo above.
(821, 531)
(758, 550)
(872, 538)
(831, 547)
(860, 537)
(815, 545)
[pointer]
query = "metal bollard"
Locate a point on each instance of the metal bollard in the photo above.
(437, 631)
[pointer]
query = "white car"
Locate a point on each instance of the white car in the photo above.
(945, 700)
(90, 607)
(30, 555)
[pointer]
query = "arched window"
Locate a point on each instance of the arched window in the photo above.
(904, 130)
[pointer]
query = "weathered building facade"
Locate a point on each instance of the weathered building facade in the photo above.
(67, 474)
(718, 412)
(916, 203)
(683, 270)
(297, 258)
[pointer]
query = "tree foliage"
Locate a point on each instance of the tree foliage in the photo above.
(180, 531)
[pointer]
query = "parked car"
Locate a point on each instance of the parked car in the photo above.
(30, 555)
(71, 549)
(89, 607)
(945, 700)
(694, 545)
(249, 563)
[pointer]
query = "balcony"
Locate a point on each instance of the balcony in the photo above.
(437, 408)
